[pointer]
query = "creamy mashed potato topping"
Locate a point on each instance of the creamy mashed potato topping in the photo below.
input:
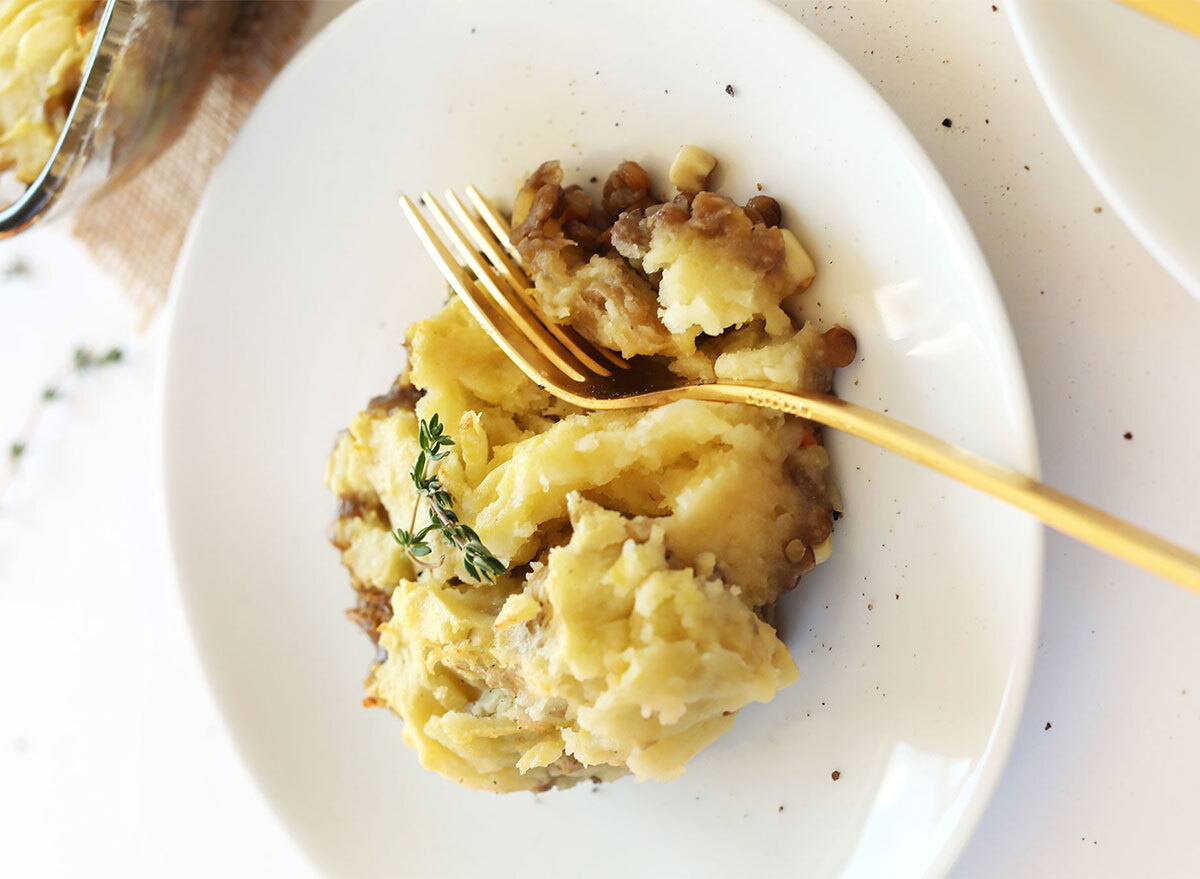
(644, 548)
(43, 44)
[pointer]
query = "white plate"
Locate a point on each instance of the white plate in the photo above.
(1125, 89)
(298, 279)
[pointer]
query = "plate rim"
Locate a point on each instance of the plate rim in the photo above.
(995, 756)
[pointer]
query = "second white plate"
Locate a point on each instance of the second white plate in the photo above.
(1125, 89)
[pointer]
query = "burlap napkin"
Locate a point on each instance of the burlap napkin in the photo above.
(135, 232)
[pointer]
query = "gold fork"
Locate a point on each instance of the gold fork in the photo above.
(573, 369)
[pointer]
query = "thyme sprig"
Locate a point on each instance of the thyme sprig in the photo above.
(83, 361)
(477, 559)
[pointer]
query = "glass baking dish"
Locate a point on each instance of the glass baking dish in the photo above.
(143, 78)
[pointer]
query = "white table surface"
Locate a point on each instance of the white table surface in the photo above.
(113, 760)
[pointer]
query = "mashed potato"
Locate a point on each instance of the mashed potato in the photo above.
(644, 548)
(43, 44)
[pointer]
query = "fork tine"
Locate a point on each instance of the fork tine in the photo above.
(489, 243)
(501, 230)
(516, 344)
(495, 221)
(516, 311)
(583, 350)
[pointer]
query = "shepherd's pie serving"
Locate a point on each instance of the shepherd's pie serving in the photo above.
(637, 554)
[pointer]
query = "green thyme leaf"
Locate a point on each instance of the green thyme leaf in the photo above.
(478, 561)
(85, 359)
(19, 268)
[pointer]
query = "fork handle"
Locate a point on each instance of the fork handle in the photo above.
(1060, 511)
